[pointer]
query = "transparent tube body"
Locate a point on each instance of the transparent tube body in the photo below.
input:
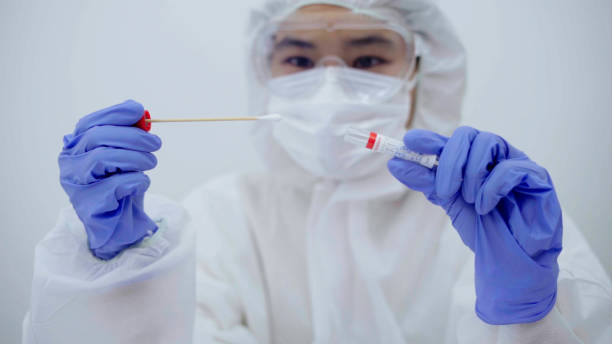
(380, 143)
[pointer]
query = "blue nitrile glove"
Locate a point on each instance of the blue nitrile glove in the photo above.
(101, 168)
(506, 211)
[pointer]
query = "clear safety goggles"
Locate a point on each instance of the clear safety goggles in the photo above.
(357, 43)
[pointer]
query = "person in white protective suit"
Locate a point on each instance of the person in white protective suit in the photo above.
(325, 246)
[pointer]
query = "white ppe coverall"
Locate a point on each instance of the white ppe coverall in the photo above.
(285, 257)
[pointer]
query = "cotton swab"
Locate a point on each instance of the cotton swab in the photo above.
(145, 122)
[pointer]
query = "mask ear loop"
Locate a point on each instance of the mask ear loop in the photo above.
(413, 91)
(414, 77)
(414, 50)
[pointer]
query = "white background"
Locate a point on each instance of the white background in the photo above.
(539, 75)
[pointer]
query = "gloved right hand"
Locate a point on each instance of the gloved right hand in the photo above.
(505, 209)
(101, 170)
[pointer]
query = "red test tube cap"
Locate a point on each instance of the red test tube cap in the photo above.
(142, 123)
(371, 140)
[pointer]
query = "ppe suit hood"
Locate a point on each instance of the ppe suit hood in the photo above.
(440, 80)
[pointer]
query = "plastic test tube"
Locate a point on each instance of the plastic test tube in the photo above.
(380, 143)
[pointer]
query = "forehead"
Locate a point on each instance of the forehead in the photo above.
(327, 14)
(330, 23)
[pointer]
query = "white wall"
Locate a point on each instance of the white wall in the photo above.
(539, 76)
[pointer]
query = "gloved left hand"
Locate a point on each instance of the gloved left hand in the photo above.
(504, 207)
(102, 168)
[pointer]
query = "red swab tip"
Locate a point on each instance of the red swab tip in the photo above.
(142, 123)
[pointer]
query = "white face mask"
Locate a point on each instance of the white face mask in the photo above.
(313, 126)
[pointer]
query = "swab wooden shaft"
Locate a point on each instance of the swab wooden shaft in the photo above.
(219, 119)
(145, 121)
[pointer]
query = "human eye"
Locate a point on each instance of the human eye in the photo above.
(367, 62)
(299, 62)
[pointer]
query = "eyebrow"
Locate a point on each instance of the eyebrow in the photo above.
(356, 42)
(294, 42)
(369, 40)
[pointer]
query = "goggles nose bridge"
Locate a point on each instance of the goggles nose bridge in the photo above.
(331, 61)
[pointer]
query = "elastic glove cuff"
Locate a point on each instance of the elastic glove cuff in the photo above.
(502, 313)
(110, 251)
